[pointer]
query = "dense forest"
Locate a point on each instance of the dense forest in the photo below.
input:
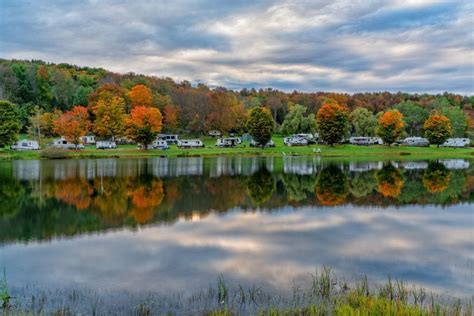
(40, 87)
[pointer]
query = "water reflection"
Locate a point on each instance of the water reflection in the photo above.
(263, 220)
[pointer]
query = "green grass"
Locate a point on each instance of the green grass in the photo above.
(341, 151)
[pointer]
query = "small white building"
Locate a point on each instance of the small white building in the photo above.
(190, 143)
(228, 141)
(25, 145)
(105, 144)
(64, 144)
(456, 142)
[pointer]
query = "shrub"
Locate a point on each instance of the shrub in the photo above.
(54, 153)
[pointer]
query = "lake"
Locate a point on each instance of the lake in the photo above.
(176, 224)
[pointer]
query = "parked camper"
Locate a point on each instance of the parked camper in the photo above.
(215, 133)
(190, 143)
(169, 138)
(25, 145)
(456, 142)
(88, 140)
(160, 144)
(415, 141)
(228, 142)
(365, 141)
(295, 140)
(64, 144)
(253, 143)
(105, 144)
(312, 139)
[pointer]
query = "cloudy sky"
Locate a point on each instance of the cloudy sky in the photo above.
(324, 45)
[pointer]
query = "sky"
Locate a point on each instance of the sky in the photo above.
(324, 45)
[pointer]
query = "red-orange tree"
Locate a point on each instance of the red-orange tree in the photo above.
(73, 124)
(144, 124)
(390, 126)
(437, 129)
(141, 95)
(333, 123)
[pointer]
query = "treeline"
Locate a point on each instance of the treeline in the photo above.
(39, 87)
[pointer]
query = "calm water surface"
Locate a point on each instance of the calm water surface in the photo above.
(176, 224)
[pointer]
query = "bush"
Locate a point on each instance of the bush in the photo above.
(54, 153)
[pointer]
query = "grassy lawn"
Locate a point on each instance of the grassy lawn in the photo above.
(341, 151)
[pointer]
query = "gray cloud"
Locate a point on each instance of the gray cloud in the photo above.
(305, 45)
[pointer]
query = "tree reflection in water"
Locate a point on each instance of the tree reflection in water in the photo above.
(331, 186)
(389, 181)
(261, 186)
(436, 177)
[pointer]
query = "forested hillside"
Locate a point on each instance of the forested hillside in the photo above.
(40, 87)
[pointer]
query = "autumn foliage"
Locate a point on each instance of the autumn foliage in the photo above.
(332, 186)
(141, 95)
(332, 120)
(145, 199)
(389, 181)
(390, 126)
(109, 117)
(73, 124)
(437, 129)
(436, 178)
(144, 124)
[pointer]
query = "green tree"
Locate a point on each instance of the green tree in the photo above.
(296, 121)
(333, 124)
(81, 95)
(9, 123)
(458, 120)
(260, 125)
(413, 115)
(363, 121)
(437, 129)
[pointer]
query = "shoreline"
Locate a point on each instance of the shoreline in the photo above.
(337, 152)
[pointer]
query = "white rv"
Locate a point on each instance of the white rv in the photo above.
(456, 142)
(295, 140)
(309, 137)
(365, 141)
(215, 133)
(25, 145)
(190, 143)
(169, 138)
(228, 141)
(105, 144)
(415, 141)
(160, 144)
(253, 143)
(64, 144)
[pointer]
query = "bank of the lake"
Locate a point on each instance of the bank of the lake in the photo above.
(210, 150)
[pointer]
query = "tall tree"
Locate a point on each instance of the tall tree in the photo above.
(332, 120)
(363, 121)
(414, 116)
(73, 124)
(437, 129)
(9, 123)
(144, 124)
(141, 95)
(296, 121)
(109, 120)
(260, 125)
(390, 126)
(458, 120)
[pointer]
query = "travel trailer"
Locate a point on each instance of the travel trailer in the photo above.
(228, 142)
(309, 137)
(25, 145)
(415, 141)
(253, 143)
(215, 133)
(64, 144)
(295, 140)
(160, 144)
(105, 144)
(169, 138)
(456, 142)
(365, 141)
(190, 143)
(88, 140)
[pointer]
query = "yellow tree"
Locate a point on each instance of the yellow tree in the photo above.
(390, 126)
(144, 124)
(109, 117)
(141, 95)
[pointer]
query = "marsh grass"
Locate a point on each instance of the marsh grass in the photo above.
(323, 294)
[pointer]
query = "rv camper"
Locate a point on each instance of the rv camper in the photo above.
(160, 144)
(215, 133)
(88, 140)
(169, 138)
(105, 144)
(365, 141)
(228, 142)
(25, 145)
(456, 142)
(295, 140)
(64, 144)
(190, 143)
(415, 141)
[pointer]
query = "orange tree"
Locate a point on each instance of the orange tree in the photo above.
(333, 122)
(141, 95)
(437, 128)
(109, 117)
(389, 181)
(144, 124)
(73, 124)
(390, 126)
